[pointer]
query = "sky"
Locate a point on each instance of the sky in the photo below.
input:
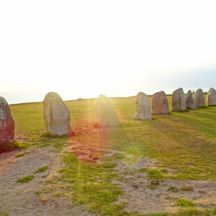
(117, 48)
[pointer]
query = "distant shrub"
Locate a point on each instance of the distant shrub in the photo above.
(25, 179)
(41, 169)
(184, 203)
(4, 214)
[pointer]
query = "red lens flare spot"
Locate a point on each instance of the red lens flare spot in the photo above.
(89, 141)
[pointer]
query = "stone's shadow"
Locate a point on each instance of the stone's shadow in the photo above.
(7, 147)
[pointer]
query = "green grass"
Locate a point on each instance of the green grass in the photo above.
(41, 169)
(91, 184)
(184, 142)
(25, 179)
(143, 170)
(154, 174)
(21, 154)
(184, 203)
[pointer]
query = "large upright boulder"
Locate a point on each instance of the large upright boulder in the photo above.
(189, 101)
(56, 115)
(160, 103)
(211, 97)
(143, 111)
(199, 98)
(178, 100)
(6, 123)
(105, 112)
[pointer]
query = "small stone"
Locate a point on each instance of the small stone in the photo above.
(187, 189)
(202, 192)
(135, 186)
(155, 182)
(172, 189)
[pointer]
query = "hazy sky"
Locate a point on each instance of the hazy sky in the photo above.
(86, 48)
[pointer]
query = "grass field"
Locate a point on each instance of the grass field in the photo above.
(184, 142)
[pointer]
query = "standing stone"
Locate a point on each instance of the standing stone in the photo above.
(6, 123)
(105, 113)
(56, 115)
(199, 98)
(189, 101)
(211, 97)
(143, 111)
(178, 100)
(160, 103)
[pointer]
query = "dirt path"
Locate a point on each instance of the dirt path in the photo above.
(148, 196)
(7, 159)
(140, 194)
(18, 199)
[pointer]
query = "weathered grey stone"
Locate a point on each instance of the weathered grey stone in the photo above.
(160, 103)
(199, 98)
(105, 113)
(178, 100)
(143, 111)
(6, 123)
(211, 97)
(56, 115)
(189, 101)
